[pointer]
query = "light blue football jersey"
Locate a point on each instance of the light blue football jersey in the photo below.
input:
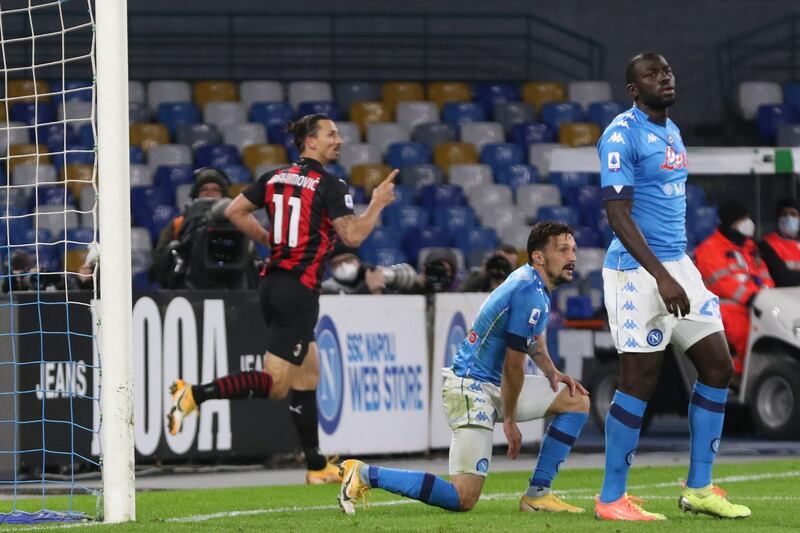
(514, 315)
(646, 162)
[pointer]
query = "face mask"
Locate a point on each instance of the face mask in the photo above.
(789, 226)
(746, 227)
(346, 272)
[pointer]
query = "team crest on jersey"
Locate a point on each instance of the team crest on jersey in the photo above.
(674, 160)
(473, 337)
(613, 162)
(715, 445)
(630, 456)
(535, 314)
(616, 137)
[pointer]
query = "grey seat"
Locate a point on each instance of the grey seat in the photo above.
(382, 134)
(141, 175)
(160, 91)
(222, 114)
(349, 132)
(357, 154)
(169, 154)
(413, 113)
(309, 91)
(470, 175)
(418, 176)
(244, 134)
(587, 92)
(195, 135)
(252, 91)
(531, 197)
(541, 155)
(482, 133)
(789, 135)
(510, 113)
(433, 134)
(348, 92)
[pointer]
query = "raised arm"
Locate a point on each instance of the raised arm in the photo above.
(240, 213)
(354, 229)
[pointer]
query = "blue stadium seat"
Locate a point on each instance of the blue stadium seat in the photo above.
(41, 236)
(143, 202)
(358, 194)
(527, 133)
(434, 133)
(80, 237)
(216, 155)
(176, 114)
(476, 241)
(602, 113)
(277, 134)
(568, 183)
(516, 175)
(86, 135)
(27, 112)
(589, 202)
(771, 117)
(383, 256)
(791, 96)
(53, 136)
(579, 308)
(49, 258)
(498, 155)
(337, 170)
(455, 218)
(556, 113)
(404, 195)
(433, 197)
(383, 237)
(419, 238)
(701, 222)
(269, 113)
(587, 237)
(237, 173)
(403, 217)
(490, 93)
(138, 112)
(137, 155)
(159, 218)
(76, 154)
(52, 195)
(74, 89)
(695, 196)
(457, 113)
(320, 107)
(14, 227)
(169, 177)
(562, 213)
(403, 154)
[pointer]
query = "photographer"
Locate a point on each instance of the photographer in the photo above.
(494, 272)
(25, 276)
(439, 270)
(351, 276)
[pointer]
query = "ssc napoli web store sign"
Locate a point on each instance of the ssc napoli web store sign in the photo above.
(373, 394)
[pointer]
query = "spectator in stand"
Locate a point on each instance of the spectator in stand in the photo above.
(781, 248)
(733, 270)
(351, 276)
(494, 272)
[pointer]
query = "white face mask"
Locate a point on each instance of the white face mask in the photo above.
(746, 227)
(789, 226)
(346, 272)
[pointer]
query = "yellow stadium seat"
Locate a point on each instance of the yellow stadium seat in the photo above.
(441, 92)
(78, 176)
(455, 153)
(401, 91)
(235, 188)
(24, 91)
(578, 133)
(368, 175)
(74, 259)
(255, 155)
(365, 113)
(26, 153)
(522, 257)
(214, 91)
(538, 93)
(2, 113)
(148, 134)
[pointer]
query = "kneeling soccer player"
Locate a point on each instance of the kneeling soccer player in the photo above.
(487, 382)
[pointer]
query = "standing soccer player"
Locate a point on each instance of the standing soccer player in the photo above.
(487, 382)
(307, 207)
(654, 294)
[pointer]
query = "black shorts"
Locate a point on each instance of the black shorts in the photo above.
(291, 311)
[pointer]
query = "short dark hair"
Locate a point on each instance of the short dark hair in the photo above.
(632, 62)
(305, 126)
(541, 233)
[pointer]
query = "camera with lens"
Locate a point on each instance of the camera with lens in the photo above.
(439, 276)
(401, 277)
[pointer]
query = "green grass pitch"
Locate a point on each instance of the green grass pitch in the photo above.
(771, 489)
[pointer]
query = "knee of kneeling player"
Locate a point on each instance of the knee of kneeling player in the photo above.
(467, 501)
(581, 403)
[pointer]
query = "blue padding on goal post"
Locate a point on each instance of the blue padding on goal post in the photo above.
(39, 517)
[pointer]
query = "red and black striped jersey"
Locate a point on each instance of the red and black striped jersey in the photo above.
(301, 201)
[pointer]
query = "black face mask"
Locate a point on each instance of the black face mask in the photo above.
(733, 235)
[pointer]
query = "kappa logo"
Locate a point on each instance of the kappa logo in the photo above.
(631, 343)
(616, 137)
(711, 308)
(482, 417)
(654, 337)
(455, 337)
(479, 400)
(630, 324)
(475, 386)
(651, 138)
(614, 163)
(628, 306)
(623, 123)
(330, 391)
(629, 287)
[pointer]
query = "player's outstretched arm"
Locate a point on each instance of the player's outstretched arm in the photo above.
(511, 382)
(240, 213)
(352, 229)
(621, 221)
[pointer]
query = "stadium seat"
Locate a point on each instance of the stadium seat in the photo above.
(252, 91)
(528, 133)
(144, 200)
(455, 218)
(442, 92)
(432, 134)
(556, 114)
(170, 177)
(348, 92)
(569, 182)
(33, 113)
(244, 135)
(255, 155)
(19, 154)
(516, 175)
(789, 135)
(319, 107)
(176, 114)
(365, 113)
(169, 154)
(33, 174)
(417, 176)
(138, 112)
(54, 219)
(167, 91)
(490, 94)
(358, 153)
(27, 91)
(77, 176)
(85, 135)
(368, 176)
(141, 175)
(701, 222)
(411, 114)
(468, 176)
(481, 133)
(55, 136)
(74, 90)
(403, 217)
(270, 113)
(393, 92)
(501, 154)
(383, 256)
(13, 133)
(383, 237)
(539, 93)
(433, 197)
(589, 260)
(183, 196)
(382, 134)
(532, 197)
(490, 196)
(137, 92)
(769, 119)
(458, 113)
(587, 237)
(140, 239)
(586, 92)
(277, 134)
(754, 94)
(603, 113)
(220, 114)
(475, 242)
(404, 195)
(517, 236)
(500, 217)
(337, 170)
(237, 173)
(216, 155)
(453, 153)
(695, 196)
(308, 91)
(160, 217)
(77, 112)
(509, 114)
(424, 237)
(791, 95)
(214, 91)
(195, 135)
(148, 134)
(562, 213)
(540, 155)
(403, 154)
(136, 155)
(348, 131)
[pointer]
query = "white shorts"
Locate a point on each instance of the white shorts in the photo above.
(472, 407)
(638, 318)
